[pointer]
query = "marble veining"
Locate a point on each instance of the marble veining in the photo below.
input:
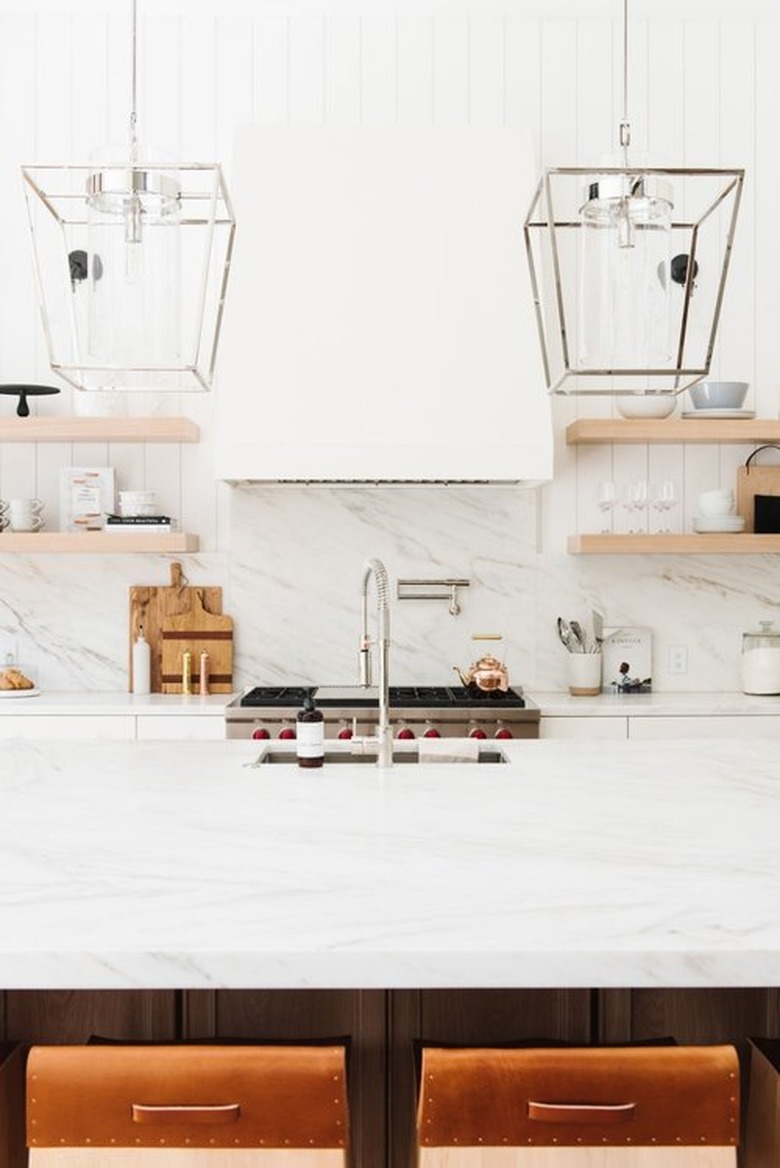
(574, 864)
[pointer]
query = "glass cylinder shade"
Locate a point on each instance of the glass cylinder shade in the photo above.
(133, 258)
(624, 271)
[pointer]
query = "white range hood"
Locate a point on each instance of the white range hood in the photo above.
(379, 326)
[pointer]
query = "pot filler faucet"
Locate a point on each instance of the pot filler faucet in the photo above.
(384, 735)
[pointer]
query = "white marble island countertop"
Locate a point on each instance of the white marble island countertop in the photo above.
(140, 864)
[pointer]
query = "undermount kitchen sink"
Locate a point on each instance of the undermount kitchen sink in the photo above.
(400, 756)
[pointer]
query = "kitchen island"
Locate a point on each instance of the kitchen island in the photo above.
(176, 865)
(581, 891)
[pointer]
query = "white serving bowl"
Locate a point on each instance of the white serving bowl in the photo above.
(647, 405)
(718, 502)
(719, 395)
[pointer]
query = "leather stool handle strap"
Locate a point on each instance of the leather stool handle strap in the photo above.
(580, 1112)
(186, 1113)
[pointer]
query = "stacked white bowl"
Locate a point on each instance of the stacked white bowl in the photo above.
(716, 512)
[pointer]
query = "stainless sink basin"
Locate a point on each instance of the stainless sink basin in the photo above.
(400, 756)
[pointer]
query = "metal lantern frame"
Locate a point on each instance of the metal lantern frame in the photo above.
(138, 197)
(58, 205)
(550, 221)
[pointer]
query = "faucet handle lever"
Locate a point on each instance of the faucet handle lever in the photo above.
(364, 662)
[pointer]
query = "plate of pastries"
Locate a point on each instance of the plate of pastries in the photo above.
(14, 683)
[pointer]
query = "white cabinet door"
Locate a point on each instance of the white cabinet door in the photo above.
(736, 726)
(67, 726)
(179, 728)
(584, 727)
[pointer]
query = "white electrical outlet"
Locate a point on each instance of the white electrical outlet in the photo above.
(678, 659)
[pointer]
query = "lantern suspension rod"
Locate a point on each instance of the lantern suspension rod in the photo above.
(625, 128)
(134, 85)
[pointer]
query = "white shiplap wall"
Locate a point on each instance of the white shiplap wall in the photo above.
(705, 89)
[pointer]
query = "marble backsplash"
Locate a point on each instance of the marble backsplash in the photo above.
(290, 564)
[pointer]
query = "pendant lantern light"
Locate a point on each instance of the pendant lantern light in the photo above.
(132, 255)
(628, 268)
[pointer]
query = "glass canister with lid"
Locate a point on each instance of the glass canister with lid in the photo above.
(761, 660)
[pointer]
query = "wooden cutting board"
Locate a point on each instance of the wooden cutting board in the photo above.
(751, 481)
(150, 605)
(199, 631)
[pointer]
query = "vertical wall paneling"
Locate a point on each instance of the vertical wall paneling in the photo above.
(35, 126)
(596, 132)
(414, 79)
(487, 82)
(662, 114)
(195, 506)
(270, 72)
(522, 75)
(451, 71)
(341, 64)
(378, 71)
(558, 46)
(737, 115)
(764, 183)
(306, 77)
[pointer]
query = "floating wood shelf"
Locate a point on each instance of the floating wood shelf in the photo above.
(67, 429)
(593, 431)
(706, 545)
(106, 543)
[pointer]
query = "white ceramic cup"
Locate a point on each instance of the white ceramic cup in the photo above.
(584, 674)
(714, 503)
(25, 514)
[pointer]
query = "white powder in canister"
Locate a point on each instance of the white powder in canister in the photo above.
(761, 671)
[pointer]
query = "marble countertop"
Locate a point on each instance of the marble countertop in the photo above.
(574, 864)
(668, 704)
(551, 704)
(105, 704)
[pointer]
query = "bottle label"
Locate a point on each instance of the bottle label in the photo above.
(310, 739)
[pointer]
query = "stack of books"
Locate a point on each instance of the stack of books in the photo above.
(138, 524)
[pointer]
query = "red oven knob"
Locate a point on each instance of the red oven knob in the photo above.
(345, 731)
(503, 732)
(261, 732)
(477, 732)
(405, 732)
(287, 732)
(431, 732)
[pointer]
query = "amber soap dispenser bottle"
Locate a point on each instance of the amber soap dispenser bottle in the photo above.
(310, 735)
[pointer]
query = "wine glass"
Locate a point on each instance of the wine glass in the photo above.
(607, 501)
(663, 498)
(634, 497)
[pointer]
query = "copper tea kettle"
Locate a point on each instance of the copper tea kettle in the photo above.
(486, 674)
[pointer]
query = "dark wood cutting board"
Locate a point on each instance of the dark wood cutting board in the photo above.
(151, 605)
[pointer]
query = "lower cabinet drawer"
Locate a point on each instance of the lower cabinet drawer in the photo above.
(180, 728)
(738, 726)
(67, 726)
(590, 728)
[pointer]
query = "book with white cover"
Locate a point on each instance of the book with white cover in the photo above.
(627, 660)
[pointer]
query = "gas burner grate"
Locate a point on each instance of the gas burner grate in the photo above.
(283, 695)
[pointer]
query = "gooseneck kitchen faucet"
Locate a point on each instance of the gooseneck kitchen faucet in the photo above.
(384, 734)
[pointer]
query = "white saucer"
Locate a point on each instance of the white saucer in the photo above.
(719, 413)
(19, 693)
(732, 524)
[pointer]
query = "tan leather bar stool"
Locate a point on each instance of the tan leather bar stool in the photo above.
(595, 1107)
(167, 1106)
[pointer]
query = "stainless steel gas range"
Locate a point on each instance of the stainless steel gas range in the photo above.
(415, 712)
